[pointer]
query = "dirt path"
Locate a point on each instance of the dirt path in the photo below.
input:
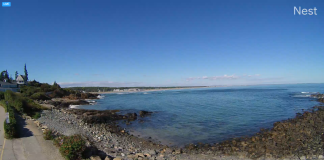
(31, 144)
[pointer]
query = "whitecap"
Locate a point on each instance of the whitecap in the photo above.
(73, 106)
(100, 96)
(301, 96)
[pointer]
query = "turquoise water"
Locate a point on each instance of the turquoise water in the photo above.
(210, 115)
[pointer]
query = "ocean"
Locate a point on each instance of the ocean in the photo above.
(209, 115)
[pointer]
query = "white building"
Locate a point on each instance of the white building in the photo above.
(21, 80)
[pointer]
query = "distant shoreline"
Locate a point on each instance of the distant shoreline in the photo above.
(147, 90)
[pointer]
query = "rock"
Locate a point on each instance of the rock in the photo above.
(107, 158)
(168, 151)
(144, 113)
(147, 155)
(140, 154)
(123, 154)
(151, 152)
(118, 158)
(37, 123)
(131, 116)
(320, 156)
(95, 158)
(132, 156)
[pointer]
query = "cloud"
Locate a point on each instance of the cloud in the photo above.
(214, 77)
(100, 84)
(223, 77)
(77, 74)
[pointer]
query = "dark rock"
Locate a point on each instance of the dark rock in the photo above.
(131, 116)
(144, 113)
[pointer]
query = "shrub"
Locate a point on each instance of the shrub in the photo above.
(71, 147)
(20, 103)
(48, 134)
(39, 96)
(10, 129)
(2, 95)
(37, 115)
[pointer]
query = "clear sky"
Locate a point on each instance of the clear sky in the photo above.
(163, 42)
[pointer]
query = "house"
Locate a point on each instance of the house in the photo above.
(21, 80)
(116, 90)
(4, 86)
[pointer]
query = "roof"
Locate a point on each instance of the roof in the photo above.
(7, 83)
(20, 78)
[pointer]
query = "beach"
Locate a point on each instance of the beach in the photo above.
(146, 90)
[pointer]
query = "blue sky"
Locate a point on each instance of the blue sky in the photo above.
(163, 42)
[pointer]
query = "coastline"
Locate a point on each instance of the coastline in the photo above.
(147, 90)
(285, 140)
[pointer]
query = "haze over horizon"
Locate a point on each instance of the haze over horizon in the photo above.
(163, 43)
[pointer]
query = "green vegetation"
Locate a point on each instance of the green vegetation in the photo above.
(20, 103)
(10, 129)
(37, 115)
(4, 75)
(71, 147)
(48, 134)
(16, 74)
(26, 73)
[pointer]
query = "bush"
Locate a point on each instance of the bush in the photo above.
(20, 103)
(71, 147)
(2, 95)
(10, 129)
(37, 115)
(48, 134)
(39, 96)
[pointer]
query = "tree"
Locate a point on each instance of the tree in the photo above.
(26, 73)
(56, 85)
(16, 74)
(4, 75)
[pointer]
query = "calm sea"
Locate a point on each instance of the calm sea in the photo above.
(210, 115)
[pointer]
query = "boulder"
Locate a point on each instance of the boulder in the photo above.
(144, 113)
(95, 158)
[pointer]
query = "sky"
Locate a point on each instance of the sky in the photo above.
(163, 42)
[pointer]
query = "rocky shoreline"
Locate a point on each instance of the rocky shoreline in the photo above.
(298, 138)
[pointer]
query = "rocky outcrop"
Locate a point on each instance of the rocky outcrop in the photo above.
(145, 113)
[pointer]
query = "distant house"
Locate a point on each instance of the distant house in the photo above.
(116, 90)
(4, 86)
(21, 80)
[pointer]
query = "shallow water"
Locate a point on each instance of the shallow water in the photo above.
(210, 115)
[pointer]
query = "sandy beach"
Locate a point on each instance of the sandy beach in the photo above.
(147, 90)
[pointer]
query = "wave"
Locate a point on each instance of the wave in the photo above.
(74, 106)
(301, 96)
(308, 92)
(100, 96)
(146, 93)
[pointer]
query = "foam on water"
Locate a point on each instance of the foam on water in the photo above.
(74, 106)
